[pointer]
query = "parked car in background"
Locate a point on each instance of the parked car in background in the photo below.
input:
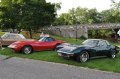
(9, 38)
(90, 48)
(27, 47)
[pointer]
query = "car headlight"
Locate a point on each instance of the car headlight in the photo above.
(12, 46)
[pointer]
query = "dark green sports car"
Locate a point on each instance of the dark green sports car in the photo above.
(88, 49)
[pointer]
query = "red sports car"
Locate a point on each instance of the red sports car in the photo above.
(27, 47)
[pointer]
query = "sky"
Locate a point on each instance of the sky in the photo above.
(69, 4)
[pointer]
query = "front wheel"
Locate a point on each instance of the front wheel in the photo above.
(83, 57)
(112, 54)
(27, 49)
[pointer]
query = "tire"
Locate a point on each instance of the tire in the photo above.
(83, 57)
(27, 49)
(112, 54)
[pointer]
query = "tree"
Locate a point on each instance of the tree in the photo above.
(112, 15)
(79, 15)
(93, 16)
(9, 14)
(64, 19)
(27, 14)
(36, 15)
(57, 6)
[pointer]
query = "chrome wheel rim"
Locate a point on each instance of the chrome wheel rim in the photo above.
(113, 55)
(27, 50)
(84, 57)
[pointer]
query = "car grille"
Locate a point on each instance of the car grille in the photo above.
(63, 54)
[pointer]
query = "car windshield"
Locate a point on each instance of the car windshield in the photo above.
(42, 39)
(46, 39)
(91, 42)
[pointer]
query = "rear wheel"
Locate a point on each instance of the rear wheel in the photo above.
(83, 57)
(27, 49)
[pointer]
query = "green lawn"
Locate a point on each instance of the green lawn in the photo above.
(1, 33)
(106, 64)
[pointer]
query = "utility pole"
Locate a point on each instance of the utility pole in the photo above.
(76, 31)
(76, 28)
(75, 23)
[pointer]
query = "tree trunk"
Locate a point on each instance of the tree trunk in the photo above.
(19, 31)
(30, 33)
(13, 30)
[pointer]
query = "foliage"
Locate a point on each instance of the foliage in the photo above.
(65, 19)
(103, 33)
(83, 38)
(93, 16)
(26, 14)
(9, 14)
(89, 16)
(79, 16)
(112, 15)
(57, 6)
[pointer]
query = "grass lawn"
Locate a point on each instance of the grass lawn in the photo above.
(1, 33)
(106, 64)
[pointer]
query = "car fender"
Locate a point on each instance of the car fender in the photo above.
(79, 50)
(27, 45)
(84, 49)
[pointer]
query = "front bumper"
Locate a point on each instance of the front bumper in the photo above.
(15, 48)
(68, 55)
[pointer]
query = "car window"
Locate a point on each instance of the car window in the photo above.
(91, 42)
(17, 37)
(49, 39)
(7, 36)
(43, 39)
(12, 36)
(103, 44)
(107, 42)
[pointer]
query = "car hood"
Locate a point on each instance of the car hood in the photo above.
(86, 46)
(24, 42)
(69, 48)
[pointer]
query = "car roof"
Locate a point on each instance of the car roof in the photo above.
(12, 35)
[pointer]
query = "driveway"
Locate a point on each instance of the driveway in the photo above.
(19, 68)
